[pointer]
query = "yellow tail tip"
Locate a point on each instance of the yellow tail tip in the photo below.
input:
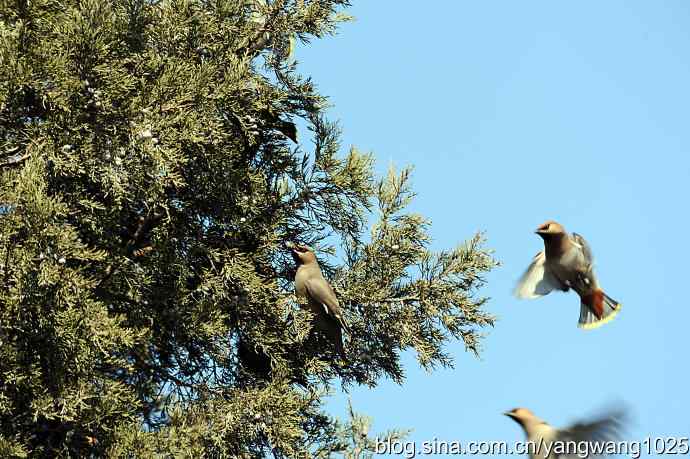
(600, 322)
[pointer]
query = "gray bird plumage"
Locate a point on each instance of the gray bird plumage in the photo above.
(567, 263)
(321, 299)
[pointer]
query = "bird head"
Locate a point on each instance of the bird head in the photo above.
(524, 417)
(550, 228)
(302, 254)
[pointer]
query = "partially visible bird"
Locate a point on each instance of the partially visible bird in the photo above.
(287, 128)
(566, 262)
(321, 300)
(253, 361)
(255, 365)
(583, 439)
(51, 436)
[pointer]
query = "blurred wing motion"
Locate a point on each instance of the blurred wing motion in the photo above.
(537, 280)
(608, 428)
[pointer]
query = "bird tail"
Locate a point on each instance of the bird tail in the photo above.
(596, 309)
(340, 348)
(334, 331)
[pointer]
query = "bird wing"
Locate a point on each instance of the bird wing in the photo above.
(607, 428)
(584, 247)
(321, 291)
(537, 280)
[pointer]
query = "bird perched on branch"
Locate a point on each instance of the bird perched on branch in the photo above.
(321, 300)
(566, 262)
(583, 439)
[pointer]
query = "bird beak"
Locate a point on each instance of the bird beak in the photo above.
(509, 414)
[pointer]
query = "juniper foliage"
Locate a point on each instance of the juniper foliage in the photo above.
(353, 439)
(151, 171)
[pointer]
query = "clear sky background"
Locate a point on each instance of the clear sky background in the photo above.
(514, 113)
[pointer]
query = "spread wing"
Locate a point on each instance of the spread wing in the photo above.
(607, 428)
(321, 291)
(537, 280)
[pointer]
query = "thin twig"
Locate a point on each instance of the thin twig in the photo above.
(402, 299)
(145, 226)
(16, 159)
(8, 251)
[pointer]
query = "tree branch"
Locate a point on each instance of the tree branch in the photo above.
(402, 299)
(146, 224)
(15, 159)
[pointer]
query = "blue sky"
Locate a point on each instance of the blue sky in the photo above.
(514, 113)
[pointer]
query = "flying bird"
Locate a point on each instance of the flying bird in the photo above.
(588, 438)
(566, 262)
(321, 300)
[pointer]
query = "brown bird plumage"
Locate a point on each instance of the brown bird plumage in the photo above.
(566, 262)
(321, 300)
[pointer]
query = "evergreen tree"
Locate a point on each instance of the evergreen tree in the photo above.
(352, 440)
(150, 177)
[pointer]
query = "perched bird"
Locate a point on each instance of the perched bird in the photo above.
(50, 437)
(255, 369)
(566, 262)
(322, 302)
(583, 439)
(287, 128)
(253, 360)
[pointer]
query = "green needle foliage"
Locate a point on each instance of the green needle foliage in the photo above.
(150, 177)
(354, 441)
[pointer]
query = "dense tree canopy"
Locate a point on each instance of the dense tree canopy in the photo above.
(151, 172)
